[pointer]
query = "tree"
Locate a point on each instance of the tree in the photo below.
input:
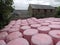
(58, 12)
(5, 12)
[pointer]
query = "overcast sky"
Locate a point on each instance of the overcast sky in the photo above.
(23, 4)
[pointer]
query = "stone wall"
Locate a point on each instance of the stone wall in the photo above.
(43, 12)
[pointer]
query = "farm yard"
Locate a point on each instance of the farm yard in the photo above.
(31, 31)
(29, 22)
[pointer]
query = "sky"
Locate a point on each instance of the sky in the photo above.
(23, 4)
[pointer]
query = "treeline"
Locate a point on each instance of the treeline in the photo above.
(5, 12)
(57, 14)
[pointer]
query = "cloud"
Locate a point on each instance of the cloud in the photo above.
(55, 3)
(39, 2)
(20, 4)
(23, 4)
(57, 0)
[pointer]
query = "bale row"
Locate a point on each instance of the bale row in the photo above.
(31, 31)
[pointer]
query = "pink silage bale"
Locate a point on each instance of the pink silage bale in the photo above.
(58, 43)
(29, 33)
(12, 22)
(34, 19)
(19, 41)
(18, 22)
(55, 34)
(51, 19)
(48, 21)
(45, 24)
(14, 35)
(3, 35)
(5, 29)
(9, 26)
(23, 28)
(57, 20)
(44, 29)
(6, 26)
(35, 25)
(30, 21)
(56, 23)
(13, 30)
(40, 20)
(16, 26)
(24, 22)
(54, 27)
(2, 42)
(41, 39)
